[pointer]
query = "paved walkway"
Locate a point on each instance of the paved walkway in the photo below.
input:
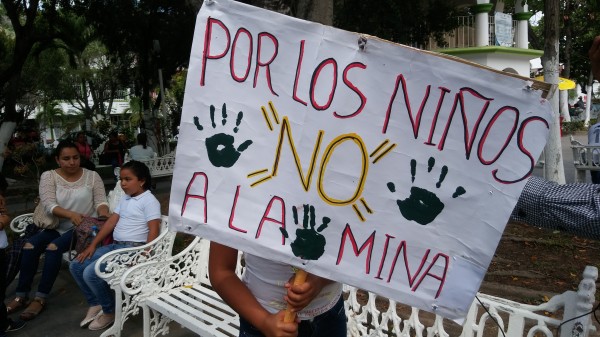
(66, 305)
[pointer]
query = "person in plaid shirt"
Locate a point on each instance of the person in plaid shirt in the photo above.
(572, 208)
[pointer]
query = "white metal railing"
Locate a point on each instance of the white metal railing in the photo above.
(464, 35)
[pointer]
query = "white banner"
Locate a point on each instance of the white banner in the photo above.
(363, 161)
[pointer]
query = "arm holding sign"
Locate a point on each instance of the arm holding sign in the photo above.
(222, 263)
(573, 208)
(267, 288)
(300, 295)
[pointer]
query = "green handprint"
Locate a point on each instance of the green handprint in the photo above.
(423, 206)
(309, 243)
(220, 149)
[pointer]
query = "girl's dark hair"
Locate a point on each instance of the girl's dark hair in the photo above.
(141, 171)
(63, 145)
(142, 139)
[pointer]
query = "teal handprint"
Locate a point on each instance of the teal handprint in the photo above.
(423, 206)
(309, 243)
(220, 148)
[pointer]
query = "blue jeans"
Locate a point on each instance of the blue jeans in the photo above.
(3, 315)
(52, 261)
(329, 324)
(95, 290)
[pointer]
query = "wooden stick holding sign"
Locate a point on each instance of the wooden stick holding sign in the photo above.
(300, 278)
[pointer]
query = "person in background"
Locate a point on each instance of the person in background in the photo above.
(114, 150)
(579, 104)
(141, 151)
(69, 193)
(85, 151)
(6, 324)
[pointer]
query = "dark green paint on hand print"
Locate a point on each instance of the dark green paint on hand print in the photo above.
(309, 243)
(423, 206)
(220, 147)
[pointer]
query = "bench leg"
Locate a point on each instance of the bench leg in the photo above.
(580, 176)
(154, 322)
(115, 329)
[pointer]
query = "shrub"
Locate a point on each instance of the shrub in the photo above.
(571, 127)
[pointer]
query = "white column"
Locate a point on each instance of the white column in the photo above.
(522, 16)
(482, 27)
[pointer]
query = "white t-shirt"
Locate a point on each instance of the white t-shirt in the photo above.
(134, 214)
(139, 153)
(266, 279)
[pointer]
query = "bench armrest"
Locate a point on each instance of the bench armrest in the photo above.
(184, 269)
(116, 262)
(19, 223)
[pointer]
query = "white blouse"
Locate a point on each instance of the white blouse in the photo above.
(82, 196)
(139, 153)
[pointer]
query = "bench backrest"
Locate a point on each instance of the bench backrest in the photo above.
(585, 157)
(159, 166)
(372, 315)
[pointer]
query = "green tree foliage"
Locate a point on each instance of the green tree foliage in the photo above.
(175, 98)
(50, 116)
(582, 17)
(129, 28)
(407, 22)
(579, 25)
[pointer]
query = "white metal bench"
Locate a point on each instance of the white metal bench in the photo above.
(159, 166)
(583, 159)
(178, 289)
(118, 261)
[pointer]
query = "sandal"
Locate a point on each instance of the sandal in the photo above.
(35, 308)
(16, 304)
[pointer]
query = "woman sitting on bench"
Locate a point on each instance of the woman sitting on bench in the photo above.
(70, 192)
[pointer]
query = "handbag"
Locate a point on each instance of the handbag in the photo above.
(84, 234)
(43, 219)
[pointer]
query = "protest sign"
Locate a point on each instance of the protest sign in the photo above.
(359, 160)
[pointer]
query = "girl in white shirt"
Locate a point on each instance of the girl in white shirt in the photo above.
(136, 221)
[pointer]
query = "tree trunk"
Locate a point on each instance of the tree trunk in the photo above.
(553, 168)
(568, 31)
(588, 101)
(6, 130)
(564, 105)
(320, 11)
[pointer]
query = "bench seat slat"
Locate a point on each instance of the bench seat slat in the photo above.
(189, 305)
